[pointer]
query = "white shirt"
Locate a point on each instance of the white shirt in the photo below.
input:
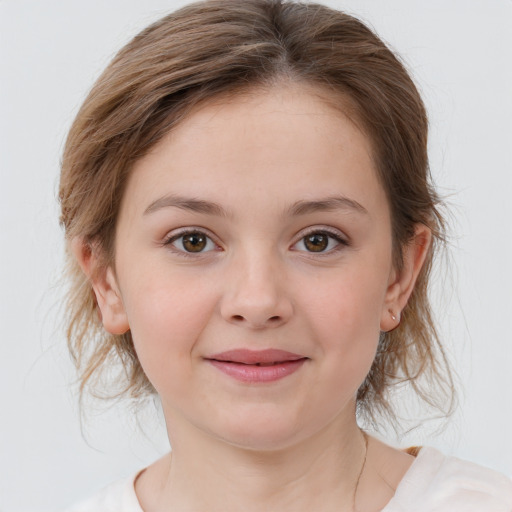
(433, 483)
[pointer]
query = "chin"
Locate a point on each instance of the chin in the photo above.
(261, 432)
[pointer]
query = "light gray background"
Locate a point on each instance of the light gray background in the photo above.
(50, 53)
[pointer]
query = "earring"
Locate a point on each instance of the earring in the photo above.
(394, 317)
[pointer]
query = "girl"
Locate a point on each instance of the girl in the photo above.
(251, 225)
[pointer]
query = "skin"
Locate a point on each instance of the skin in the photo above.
(292, 444)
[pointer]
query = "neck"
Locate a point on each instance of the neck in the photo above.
(205, 473)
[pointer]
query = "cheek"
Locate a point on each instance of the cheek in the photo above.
(351, 298)
(345, 315)
(166, 316)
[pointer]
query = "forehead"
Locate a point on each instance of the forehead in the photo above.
(289, 142)
(292, 108)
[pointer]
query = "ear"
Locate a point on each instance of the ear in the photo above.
(105, 287)
(401, 282)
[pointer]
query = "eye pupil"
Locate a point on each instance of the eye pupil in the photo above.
(194, 242)
(317, 242)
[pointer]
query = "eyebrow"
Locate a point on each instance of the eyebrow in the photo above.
(185, 203)
(327, 204)
(298, 208)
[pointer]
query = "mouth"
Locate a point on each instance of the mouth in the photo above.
(257, 365)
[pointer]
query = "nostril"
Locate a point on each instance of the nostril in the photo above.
(272, 319)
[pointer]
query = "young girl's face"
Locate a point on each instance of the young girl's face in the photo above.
(254, 268)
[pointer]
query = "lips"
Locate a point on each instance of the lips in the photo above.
(264, 357)
(257, 365)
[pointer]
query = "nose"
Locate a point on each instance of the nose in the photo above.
(255, 293)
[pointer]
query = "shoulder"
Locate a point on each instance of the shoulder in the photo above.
(441, 483)
(119, 495)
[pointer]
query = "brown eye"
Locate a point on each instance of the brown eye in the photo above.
(320, 242)
(192, 242)
(317, 242)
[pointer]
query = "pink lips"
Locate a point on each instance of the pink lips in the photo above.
(257, 365)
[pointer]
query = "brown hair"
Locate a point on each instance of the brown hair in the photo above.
(222, 47)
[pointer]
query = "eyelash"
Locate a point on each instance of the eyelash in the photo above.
(168, 242)
(332, 234)
(342, 242)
